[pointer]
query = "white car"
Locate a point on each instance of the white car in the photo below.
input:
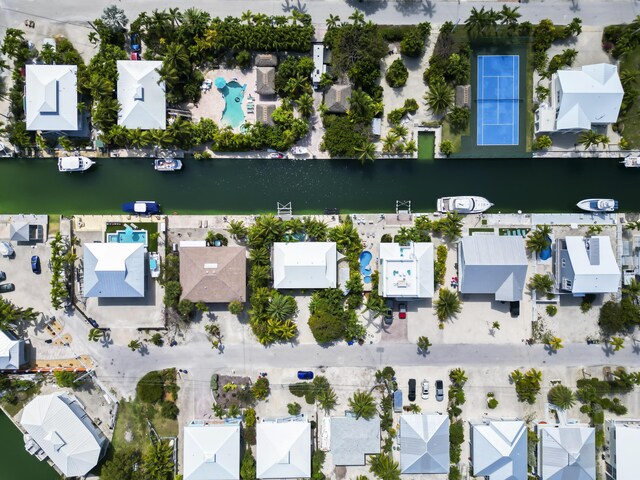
(6, 250)
(425, 389)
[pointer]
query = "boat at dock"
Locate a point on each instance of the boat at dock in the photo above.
(167, 164)
(598, 205)
(299, 150)
(463, 204)
(74, 164)
(141, 207)
(154, 264)
(631, 161)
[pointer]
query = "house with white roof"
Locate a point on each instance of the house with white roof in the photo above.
(499, 449)
(406, 271)
(566, 452)
(621, 455)
(581, 99)
(114, 270)
(51, 97)
(424, 443)
(319, 64)
(586, 265)
(284, 448)
(211, 451)
(304, 265)
(12, 354)
(352, 439)
(494, 265)
(58, 425)
(141, 94)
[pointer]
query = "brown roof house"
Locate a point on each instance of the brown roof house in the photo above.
(264, 112)
(337, 98)
(213, 274)
(266, 80)
(266, 60)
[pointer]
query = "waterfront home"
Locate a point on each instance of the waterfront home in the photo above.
(424, 443)
(320, 61)
(12, 354)
(406, 271)
(264, 113)
(493, 264)
(211, 451)
(213, 274)
(581, 99)
(59, 425)
(266, 80)
(586, 265)
(352, 439)
(51, 98)
(566, 451)
(337, 98)
(499, 449)
(621, 453)
(284, 448)
(114, 270)
(26, 228)
(141, 95)
(304, 265)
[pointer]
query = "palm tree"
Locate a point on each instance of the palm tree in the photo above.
(628, 78)
(424, 344)
(588, 139)
(363, 405)
(617, 343)
(458, 377)
(158, 461)
(259, 276)
(439, 98)
(247, 17)
(134, 345)
(542, 284)
(632, 290)
(114, 18)
(604, 140)
(554, 343)
(509, 16)
(282, 307)
(366, 151)
(305, 105)
(389, 142)
(562, 397)
(478, 20)
(384, 467)
(357, 17)
(95, 334)
(448, 304)
(538, 239)
(400, 130)
(359, 106)
(345, 235)
(327, 399)
(332, 21)
(451, 226)
(260, 256)
(237, 230)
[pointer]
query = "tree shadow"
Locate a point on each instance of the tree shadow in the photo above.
(289, 5)
(636, 348)
(575, 7)
(368, 8)
(106, 341)
(423, 353)
(415, 7)
(143, 350)
(550, 351)
(608, 350)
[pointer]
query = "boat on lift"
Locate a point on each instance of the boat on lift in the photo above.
(167, 164)
(463, 204)
(74, 164)
(141, 207)
(154, 264)
(598, 205)
(631, 161)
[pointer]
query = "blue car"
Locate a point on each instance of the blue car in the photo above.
(35, 264)
(305, 375)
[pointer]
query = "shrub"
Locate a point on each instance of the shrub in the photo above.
(294, 408)
(157, 340)
(552, 310)
(492, 403)
(326, 327)
(397, 74)
(413, 43)
(172, 292)
(243, 59)
(542, 142)
(261, 389)
(169, 410)
(410, 105)
(214, 382)
(149, 388)
(446, 147)
(248, 467)
(459, 118)
(186, 309)
(236, 307)
(65, 379)
(441, 264)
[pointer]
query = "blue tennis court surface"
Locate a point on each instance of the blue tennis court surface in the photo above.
(498, 99)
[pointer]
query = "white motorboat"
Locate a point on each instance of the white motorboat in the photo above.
(631, 161)
(598, 205)
(167, 164)
(74, 164)
(463, 204)
(154, 264)
(299, 150)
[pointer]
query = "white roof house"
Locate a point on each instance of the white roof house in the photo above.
(319, 66)
(284, 449)
(304, 265)
(11, 351)
(141, 95)
(211, 452)
(114, 270)
(623, 438)
(51, 97)
(586, 265)
(63, 430)
(424, 443)
(406, 271)
(353, 438)
(566, 452)
(499, 449)
(493, 264)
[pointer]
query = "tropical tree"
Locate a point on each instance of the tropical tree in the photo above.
(458, 377)
(158, 461)
(305, 105)
(589, 139)
(327, 399)
(508, 15)
(542, 284)
(10, 314)
(360, 107)
(424, 344)
(259, 276)
(237, 230)
(562, 397)
(384, 467)
(632, 290)
(538, 239)
(363, 405)
(366, 151)
(95, 334)
(554, 343)
(282, 307)
(357, 17)
(389, 142)
(448, 304)
(617, 343)
(134, 345)
(332, 21)
(114, 18)
(451, 226)
(439, 98)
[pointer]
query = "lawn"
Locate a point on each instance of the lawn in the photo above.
(631, 120)
(132, 417)
(54, 224)
(150, 227)
(24, 397)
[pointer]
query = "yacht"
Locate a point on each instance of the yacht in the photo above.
(141, 207)
(631, 161)
(598, 205)
(167, 164)
(74, 164)
(154, 264)
(464, 204)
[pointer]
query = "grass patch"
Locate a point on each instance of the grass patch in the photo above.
(481, 230)
(630, 121)
(24, 397)
(150, 227)
(54, 224)
(454, 138)
(132, 417)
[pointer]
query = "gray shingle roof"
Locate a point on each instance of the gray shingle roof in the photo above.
(266, 80)
(337, 98)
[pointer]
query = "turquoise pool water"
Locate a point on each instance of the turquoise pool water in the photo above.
(128, 235)
(365, 269)
(233, 94)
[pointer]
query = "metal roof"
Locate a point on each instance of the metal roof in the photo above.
(141, 95)
(493, 264)
(11, 352)
(424, 443)
(352, 439)
(594, 264)
(567, 452)
(406, 270)
(284, 449)
(627, 439)
(213, 274)
(212, 452)
(51, 97)
(305, 265)
(499, 449)
(114, 270)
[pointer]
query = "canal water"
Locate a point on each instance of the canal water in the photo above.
(16, 463)
(256, 185)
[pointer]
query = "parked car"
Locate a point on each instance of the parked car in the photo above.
(305, 375)
(93, 323)
(135, 42)
(425, 389)
(412, 390)
(3, 276)
(402, 309)
(514, 308)
(388, 313)
(439, 390)
(35, 264)
(6, 250)
(7, 287)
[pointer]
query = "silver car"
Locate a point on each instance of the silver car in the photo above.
(425, 389)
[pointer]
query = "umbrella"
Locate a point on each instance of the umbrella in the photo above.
(220, 83)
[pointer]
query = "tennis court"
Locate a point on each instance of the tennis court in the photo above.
(498, 99)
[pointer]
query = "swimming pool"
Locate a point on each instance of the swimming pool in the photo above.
(365, 269)
(128, 235)
(233, 113)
